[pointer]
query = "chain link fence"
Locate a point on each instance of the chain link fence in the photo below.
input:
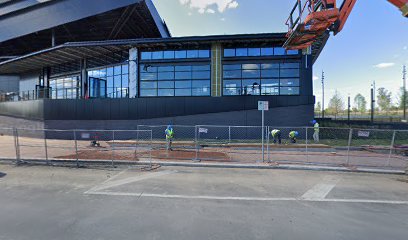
(182, 146)
(77, 147)
(228, 144)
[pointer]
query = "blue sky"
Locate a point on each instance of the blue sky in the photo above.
(372, 46)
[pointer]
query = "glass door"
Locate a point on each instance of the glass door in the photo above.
(97, 88)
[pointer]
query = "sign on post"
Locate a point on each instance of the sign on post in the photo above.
(263, 106)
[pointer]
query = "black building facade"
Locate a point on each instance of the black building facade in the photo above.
(117, 84)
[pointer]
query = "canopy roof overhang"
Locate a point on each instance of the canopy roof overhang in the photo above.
(75, 51)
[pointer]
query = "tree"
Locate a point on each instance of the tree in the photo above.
(336, 104)
(318, 107)
(401, 99)
(360, 103)
(384, 99)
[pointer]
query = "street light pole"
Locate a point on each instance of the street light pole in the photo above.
(348, 109)
(372, 104)
(323, 94)
(404, 96)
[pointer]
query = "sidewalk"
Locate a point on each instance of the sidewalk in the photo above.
(291, 166)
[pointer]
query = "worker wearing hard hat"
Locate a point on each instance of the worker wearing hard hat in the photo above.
(277, 136)
(316, 131)
(169, 137)
(293, 135)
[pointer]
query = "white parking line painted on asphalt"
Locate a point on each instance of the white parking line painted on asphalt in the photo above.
(320, 190)
(110, 184)
(107, 180)
(231, 198)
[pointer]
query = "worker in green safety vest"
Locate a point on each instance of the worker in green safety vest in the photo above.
(316, 131)
(292, 136)
(169, 137)
(277, 136)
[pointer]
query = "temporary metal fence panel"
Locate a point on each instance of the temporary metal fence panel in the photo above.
(113, 145)
(245, 144)
(212, 143)
(289, 151)
(31, 144)
(131, 145)
(328, 146)
(237, 144)
(182, 144)
(398, 156)
(94, 145)
(7, 144)
(371, 147)
(59, 145)
(229, 143)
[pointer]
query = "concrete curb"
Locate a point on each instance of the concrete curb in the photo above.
(64, 162)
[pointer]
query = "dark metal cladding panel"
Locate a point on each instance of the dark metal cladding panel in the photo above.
(143, 108)
(53, 14)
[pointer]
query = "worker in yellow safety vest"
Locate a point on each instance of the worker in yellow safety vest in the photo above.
(316, 131)
(169, 137)
(293, 135)
(277, 136)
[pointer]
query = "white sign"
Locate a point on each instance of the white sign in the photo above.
(203, 130)
(85, 135)
(363, 134)
(263, 105)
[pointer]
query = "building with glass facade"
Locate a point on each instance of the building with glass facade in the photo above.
(161, 80)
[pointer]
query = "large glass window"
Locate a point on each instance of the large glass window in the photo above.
(116, 79)
(65, 87)
(256, 52)
(172, 79)
(175, 54)
(269, 78)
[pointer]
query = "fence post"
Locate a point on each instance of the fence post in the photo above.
(229, 134)
(267, 143)
(113, 147)
(137, 132)
(151, 148)
(348, 146)
(136, 145)
(307, 150)
(76, 149)
(263, 136)
(17, 146)
(196, 136)
(391, 147)
(46, 147)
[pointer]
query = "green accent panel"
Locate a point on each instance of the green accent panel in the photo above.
(216, 70)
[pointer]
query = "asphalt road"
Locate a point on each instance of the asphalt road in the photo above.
(200, 203)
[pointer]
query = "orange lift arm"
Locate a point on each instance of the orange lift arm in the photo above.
(348, 6)
(310, 19)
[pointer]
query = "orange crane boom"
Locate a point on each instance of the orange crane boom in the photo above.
(310, 19)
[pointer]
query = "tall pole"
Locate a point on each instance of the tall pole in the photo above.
(374, 89)
(323, 94)
(404, 87)
(263, 134)
(372, 104)
(348, 109)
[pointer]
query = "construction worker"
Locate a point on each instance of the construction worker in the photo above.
(277, 136)
(316, 131)
(169, 137)
(292, 136)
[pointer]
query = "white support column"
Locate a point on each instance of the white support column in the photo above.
(133, 72)
(84, 78)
